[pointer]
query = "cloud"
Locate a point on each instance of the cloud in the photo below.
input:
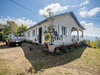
(83, 13)
(84, 3)
(54, 8)
(94, 11)
(81, 4)
(90, 29)
(90, 13)
(88, 26)
(18, 21)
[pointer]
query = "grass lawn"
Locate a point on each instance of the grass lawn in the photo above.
(17, 61)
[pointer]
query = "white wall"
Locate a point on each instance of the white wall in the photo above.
(59, 21)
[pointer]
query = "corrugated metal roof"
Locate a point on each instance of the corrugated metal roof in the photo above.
(71, 13)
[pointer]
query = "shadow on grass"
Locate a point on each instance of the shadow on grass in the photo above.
(41, 61)
(4, 46)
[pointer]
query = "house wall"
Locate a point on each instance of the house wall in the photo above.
(59, 21)
(68, 22)
(44, 27)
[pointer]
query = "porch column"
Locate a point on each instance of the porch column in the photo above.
(82, 34)
(78, 33)
(37, 35)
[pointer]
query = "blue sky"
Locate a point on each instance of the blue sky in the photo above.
(87, 12)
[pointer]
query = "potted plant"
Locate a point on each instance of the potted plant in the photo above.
(50, 44)
(50, 30)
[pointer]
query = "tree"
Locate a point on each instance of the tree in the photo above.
(21, 29)
(51, 18)
(12, 26)
(5, 29)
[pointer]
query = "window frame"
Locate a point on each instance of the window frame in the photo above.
(32, 32)
(28, 34)
(63, 30)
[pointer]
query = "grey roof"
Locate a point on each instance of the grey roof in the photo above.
(71, 13)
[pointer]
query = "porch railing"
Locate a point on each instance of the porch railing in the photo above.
(58, 38)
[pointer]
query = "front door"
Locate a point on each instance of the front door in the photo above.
(40, 35)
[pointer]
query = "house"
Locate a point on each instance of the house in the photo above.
(64, 24)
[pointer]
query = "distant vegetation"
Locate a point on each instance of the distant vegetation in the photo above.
(10, 27)
(93, 44)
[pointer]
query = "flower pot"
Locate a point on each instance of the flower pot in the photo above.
(51, 48)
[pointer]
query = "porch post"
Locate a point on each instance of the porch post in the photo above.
(82, 34)
(78, 33)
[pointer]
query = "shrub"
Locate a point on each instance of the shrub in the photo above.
(2, 36)
(28, 41)
(93, 44)
(75, 45)
(98, 43)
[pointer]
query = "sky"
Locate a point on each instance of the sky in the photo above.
(86, 11)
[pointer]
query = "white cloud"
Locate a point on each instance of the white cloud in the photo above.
(91, 30)
(18, 21)
(83, 13)
(90, 13)
(87, 25)
(84, 3)
(94, 11)
(54, 7)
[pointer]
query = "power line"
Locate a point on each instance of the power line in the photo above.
(24, 7)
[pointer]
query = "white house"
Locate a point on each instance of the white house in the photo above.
(64, 23)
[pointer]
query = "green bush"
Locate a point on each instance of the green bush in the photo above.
(2, 36)
(28, 41)
(93, 44)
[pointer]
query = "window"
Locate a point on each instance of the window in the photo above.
(28, 34)
(63, 30)
(33, 33)
(24, 34)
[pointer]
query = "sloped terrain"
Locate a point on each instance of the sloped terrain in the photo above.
(19, 61)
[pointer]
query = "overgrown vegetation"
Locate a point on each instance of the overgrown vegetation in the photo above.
(30, 42)
(93, 44)
(10, 27)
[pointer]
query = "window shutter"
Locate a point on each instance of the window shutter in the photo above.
(60, 30)
(67, 31)
(35, 32)
(43, 29)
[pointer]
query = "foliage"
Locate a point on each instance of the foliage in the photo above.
(12, 26)
(51, 14)
(28, 41)
(93, 44)
(2, 36)
(21, 29)
(49, 31)
(75, 39)
(51, 18)
(5, 29)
